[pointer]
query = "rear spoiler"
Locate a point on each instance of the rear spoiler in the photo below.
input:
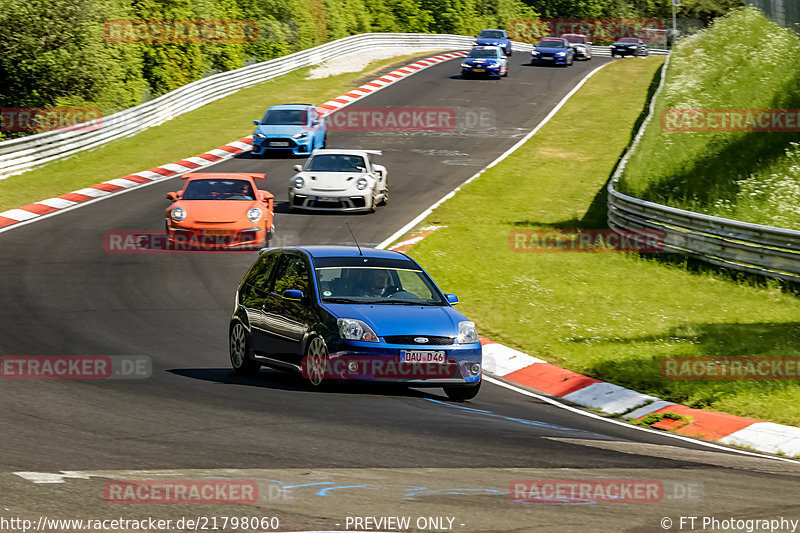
(255, 176)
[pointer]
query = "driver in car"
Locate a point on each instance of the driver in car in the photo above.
(375, 283)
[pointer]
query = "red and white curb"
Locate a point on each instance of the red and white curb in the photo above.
(378, 84)
(404, 245)
(30, 212)
(170, 170)
(522, 369)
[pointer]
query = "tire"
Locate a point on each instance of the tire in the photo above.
(460, 393)
(239, 348)
(505, 75)
(510, 51)
(373, 205)
(385, 195)
(465, 75)
(253, 155)
(315, 361)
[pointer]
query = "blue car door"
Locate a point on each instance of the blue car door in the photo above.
(287, 319)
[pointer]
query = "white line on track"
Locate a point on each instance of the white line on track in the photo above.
(405, 229)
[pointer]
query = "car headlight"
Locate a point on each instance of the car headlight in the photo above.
(177, 214)
(534, 53)
(298, 182)
(300, 135)
(260, 136)
(632, 46)
(355, 330)
(561, 54)
(362, 183)
(464, 65)
(254, 214)
(467, 334)
(475, 43)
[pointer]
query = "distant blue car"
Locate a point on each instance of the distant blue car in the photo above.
(339, 313)
(484, 61)
(553, 51)
(296, 127)
(494, 38)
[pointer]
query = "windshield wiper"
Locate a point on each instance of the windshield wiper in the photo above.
(342, 301)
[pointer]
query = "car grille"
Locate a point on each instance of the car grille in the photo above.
(433, 340)
(547, 54)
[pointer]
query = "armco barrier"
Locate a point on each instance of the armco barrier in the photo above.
(765, 250)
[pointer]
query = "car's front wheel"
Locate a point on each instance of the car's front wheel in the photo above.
(239, 344)
(315, 363)
(460, 393)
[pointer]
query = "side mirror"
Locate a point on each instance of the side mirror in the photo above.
(298, 168)
(294, 295)
(588, 42)
(452, 299)
(172, 197)
(256, 122)
(315, 122)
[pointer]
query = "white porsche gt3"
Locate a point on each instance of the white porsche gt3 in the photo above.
(341, 180)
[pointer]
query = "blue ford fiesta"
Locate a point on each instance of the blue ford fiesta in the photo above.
(339, 313)
(298, 128)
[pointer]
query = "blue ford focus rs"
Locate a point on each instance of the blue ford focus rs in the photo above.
(339, 313)
(297, 128)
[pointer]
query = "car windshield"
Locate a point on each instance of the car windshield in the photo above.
(377, 285)
(285, 117)
(483, 53)
(630, 40)
(336, 163)
(491, 34)
(551, 44)
(574, 38)
(218, 189)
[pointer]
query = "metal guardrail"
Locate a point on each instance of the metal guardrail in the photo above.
(20, 155)
(754, 248)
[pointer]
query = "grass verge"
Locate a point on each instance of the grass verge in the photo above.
(613, 316)
(193, 133)
(749, 175)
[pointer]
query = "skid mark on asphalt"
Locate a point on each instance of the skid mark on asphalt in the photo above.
(535, 423)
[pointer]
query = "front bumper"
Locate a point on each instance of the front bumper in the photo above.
(624, 51)
(484, 71)
(282, 144)
(244, 238)
(359, 201)
(367, 361)
(543, 59)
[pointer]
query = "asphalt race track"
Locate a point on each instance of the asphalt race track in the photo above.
(387, 452)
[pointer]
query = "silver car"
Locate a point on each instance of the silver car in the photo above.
(581, 44)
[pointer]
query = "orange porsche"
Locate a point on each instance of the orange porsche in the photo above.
(220, 211)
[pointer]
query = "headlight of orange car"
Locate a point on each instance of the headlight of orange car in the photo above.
(177, 214)
(254, 214)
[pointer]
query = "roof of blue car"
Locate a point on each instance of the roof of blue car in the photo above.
(291, 106)
(350, 251)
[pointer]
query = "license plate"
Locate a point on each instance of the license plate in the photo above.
(547, 58)
(327, 199)
(420, 356)
(279, 143)
(217, 232)
(477, 70)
